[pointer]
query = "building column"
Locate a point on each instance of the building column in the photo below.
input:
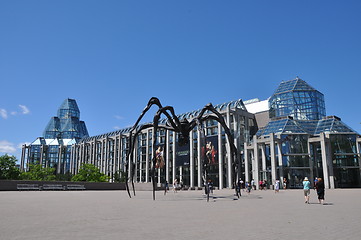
(147, 157)
(220, 157)
(358, 140)
(42, 155)
(113, 166)
(94, 152)
(236, 144)
(60, 157)
(22, 163)
(191, 160)
(280, 163)
(167, 153)
(246, 163)
(273, 159)
(199, 158)
(310, 162)
(101, 167)
(119, 154)
(71, 158)
(324, 152)
(229, 162)
(255, 165)
(264, 165)
(174, 160)
(80, 157)
(136, 166)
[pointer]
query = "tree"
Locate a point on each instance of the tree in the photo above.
(90, 173)
(38, 173)
(119, 176)
(8, 169)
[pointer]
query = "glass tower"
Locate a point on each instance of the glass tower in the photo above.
(297, 99)
(54, 147)
(66, 124)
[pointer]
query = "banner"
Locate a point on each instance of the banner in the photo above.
(210, 150)
(182, 155)
(159, 156)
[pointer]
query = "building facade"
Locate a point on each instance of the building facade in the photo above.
(53, 149)
(300, 140)
(287, 136)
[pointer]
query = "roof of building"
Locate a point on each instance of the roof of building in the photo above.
(296, 84)
(256, 106)
(188, 115)
(331, 124)
(55, 141)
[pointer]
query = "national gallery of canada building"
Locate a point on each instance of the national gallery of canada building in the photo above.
(287, 136)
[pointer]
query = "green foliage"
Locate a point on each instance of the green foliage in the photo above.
(90, 173)
(119, 176)
(63, 177)
(38, 173)
(8, 169)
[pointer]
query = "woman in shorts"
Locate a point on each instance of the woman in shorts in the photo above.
(306, 189)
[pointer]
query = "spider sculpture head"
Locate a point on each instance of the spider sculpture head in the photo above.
(183, 137)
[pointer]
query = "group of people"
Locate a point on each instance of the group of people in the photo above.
(319, 186)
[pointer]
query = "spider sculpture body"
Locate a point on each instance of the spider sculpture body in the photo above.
(182, 128)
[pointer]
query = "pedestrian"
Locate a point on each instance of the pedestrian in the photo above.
(315, 182)
(306, 189)
(277, 186)
(238, 187)
(284, 183)
(260, 185)
(175, 185)
(248, 187)
(253, 184)
(264, 184)
(210, 184)
(166, 188)
(320, 187)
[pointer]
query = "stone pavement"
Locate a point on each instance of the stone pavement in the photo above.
(57, 215)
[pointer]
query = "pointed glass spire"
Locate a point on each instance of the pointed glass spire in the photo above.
(67, 124)
(297, 99)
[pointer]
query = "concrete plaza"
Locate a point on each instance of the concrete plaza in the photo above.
(111, 215)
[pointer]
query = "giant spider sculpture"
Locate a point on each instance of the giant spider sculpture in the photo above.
(182, 128)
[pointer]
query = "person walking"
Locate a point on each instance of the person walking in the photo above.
(253, 184)
(306, 189)
(277, 186)
(166, 187)
(315, 182)
(320, 188)
(284, 183)
(175, 185)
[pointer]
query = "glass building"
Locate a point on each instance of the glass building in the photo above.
(53, 149)
(297, 99)
(286, 136)
(301, 141)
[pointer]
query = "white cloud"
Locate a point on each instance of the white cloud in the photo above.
(117, 128)
(7, 147)
(3, 113)
(119, 117)
(20, 145)
(24, 109)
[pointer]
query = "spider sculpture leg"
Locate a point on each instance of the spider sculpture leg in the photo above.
(128, 167)
(199, 119)
(175, 127)
(174, 122)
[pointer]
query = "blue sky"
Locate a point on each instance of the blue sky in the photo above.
(112, 56)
